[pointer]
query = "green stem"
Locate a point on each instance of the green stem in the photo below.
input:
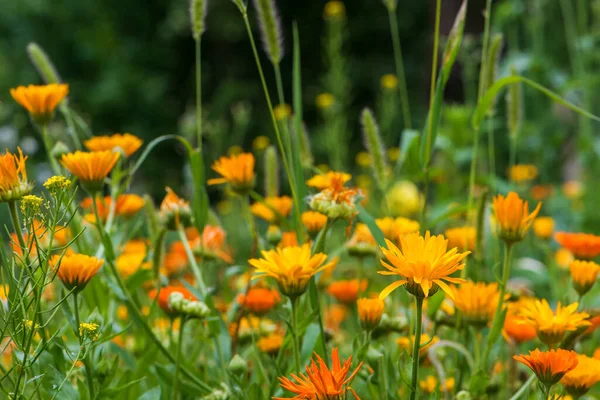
(48, 146)
(175, 394)
(400, 68)
(193, 263)
(498, 316)
(383, 392)
(492, 154)
(295, 333)
(14, 216)
(416, 349)
(86, 361)
(284, 156)
(198, 94)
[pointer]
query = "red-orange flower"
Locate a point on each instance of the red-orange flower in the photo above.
(259, 300)
(549, 366)
(347, 291)
(583, 245)
(320, 382)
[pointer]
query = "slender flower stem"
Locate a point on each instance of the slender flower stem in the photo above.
(86, 361)
(14, 216)
(318, 247)
(434, 67)
(199, 94)
(416, 349)
(48, 146)
(284, 156)
(193, 263)
(383, 392)
(400, 68)
(498, 316)
(295, 333)
(524, 388)
(175, 393)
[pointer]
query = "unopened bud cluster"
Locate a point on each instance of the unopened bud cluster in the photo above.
(189, 308)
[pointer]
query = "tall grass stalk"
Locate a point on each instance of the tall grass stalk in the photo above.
(400, 67)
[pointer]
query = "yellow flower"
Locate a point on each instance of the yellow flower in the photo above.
(513, 217)
(292, 268)
(543, 227)
(463, 237)
(129, 263)
(430, 383)
(76, 270)
(549, 366)
(583, 275)
(57, 184)
(334, 9)
(324, 101)
(392, 228)
(424, 262)
(313, 222)
(389, 81)
(393, 154)
(40, 100)
(404, 199)
(523, 173)
(407, 343)
(477, 301)
(363, 159)
(236, 170)
(551, 326)
(563, 258)
(370, 312)
(127, 143)
(87, 328)
(270, 344)
(13, 176)
(580, 380)
(30, 205)
(129, 204)
(273, 209)
(260, 143)
(323, 181)
(90, 168)
(282, 111)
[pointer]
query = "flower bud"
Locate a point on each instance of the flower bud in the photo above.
(238, 365)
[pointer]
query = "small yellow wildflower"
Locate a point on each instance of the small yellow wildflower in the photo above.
(389, 81)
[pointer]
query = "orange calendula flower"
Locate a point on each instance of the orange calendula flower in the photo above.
(292, 268)
(126, 143)
(522, 173)
(313, 222)
(541, 192)
(362, 243)
(513, 217)
(549, 366)
(175, 211)
(129, 263)
(129, 204)
(323, 181)
(13, 176)
(551, 326)
(40, 100)
(259, 301)
(347, 291)
(477, 301)
(274, 209)
(270, 344)
(543, 227)
(211, 245)
(583, 275)
(237, 170)
(584, 246)
(90, 168)
(515, 331)
(370, 312)
(462, 238)
(320, 382)
(76, 270)
(424, 262)
(583, 377)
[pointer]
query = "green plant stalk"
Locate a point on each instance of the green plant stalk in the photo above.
(383, 392)
(414, 383)
(175, 393)
(86, 361)
(318, 247)
(295, 333)
(498, 316)
(129, 302)
(400, 69)
(434, 67)
(274, 121)
(48, 147)
(193, 263)
(199, 93)
(492, 155)
(286, 134)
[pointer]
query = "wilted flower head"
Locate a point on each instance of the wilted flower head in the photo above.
(549, 366)
(335, 201)
(513, 217)
(76, 270)
(125, 143)
(424, 262)
(291, 267)
(211, 244)
(90, 168)
(320, 382)
(584, 246)
(237, 170)
(40, 100)
(174, 211)
(13, 176)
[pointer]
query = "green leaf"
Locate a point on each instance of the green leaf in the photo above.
(200, 202)
(109, 392)
(488, 99)
(408, 145)
(368, 220)
(478, 383)
(450, 53)
(309, 342)
(151, 394)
